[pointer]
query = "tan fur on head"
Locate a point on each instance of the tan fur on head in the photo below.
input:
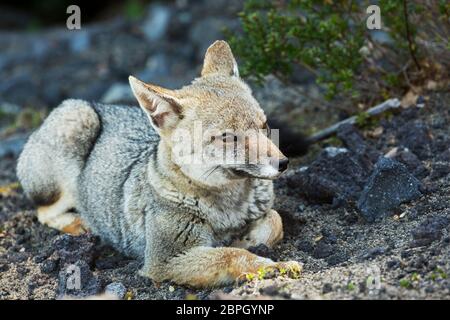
(221, 102)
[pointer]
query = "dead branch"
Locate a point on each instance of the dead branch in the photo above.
(325, 133)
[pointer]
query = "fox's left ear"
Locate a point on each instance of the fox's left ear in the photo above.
(160, 104)
(220, 60)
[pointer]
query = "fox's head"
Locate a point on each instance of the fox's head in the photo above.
(214, 128)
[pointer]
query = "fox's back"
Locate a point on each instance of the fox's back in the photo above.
(116, 164)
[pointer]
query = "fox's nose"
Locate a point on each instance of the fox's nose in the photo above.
(283, 164)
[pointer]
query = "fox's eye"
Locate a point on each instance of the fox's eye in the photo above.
(228, 137)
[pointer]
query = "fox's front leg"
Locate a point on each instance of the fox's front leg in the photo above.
(267, 230)
(182, 252)
(210, 267)
(203, 267)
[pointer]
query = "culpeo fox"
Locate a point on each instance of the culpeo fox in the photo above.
(105, 169)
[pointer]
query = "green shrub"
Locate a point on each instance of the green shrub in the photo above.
(330, 39)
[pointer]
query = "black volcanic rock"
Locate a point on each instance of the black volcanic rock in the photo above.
(389, 185)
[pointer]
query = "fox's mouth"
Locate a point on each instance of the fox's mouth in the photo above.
(241, 173)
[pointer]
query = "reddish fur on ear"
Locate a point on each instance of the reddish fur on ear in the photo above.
(158, 119)
(159, 103)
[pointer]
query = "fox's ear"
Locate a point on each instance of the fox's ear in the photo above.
(160, 104)
(220, 60)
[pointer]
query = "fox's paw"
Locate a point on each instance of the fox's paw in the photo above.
(289, 269)
(75, 228)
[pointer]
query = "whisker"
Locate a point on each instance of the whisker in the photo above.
(207, 171)
(211, 171)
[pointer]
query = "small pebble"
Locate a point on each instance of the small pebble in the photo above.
(117, 289)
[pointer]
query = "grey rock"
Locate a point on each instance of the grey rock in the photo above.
(389, 185)
(393, 264)
(93, 92)
(77, 280)
(49, 265)
(337, 258)
(39, 48)
(272, 291)
(156, 67)
(169, 68)
(355, 142)
(156, 23)
(329, 236)
(19, 89)
(127, 52)
(416, 136)
(444, 156)
(71, 249)
(9, 108)
(429, 231)
(440, 170)
(118, 93)
(329, 179)
(13, 145)
(263, 251)
(179, 23)
(327, 287)
(116, 289)
(373, 252)
(323, 250)
(80, 41)
(412, 162)
(278, 98)
(206, 31)
(305, 245)
(333, 151)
